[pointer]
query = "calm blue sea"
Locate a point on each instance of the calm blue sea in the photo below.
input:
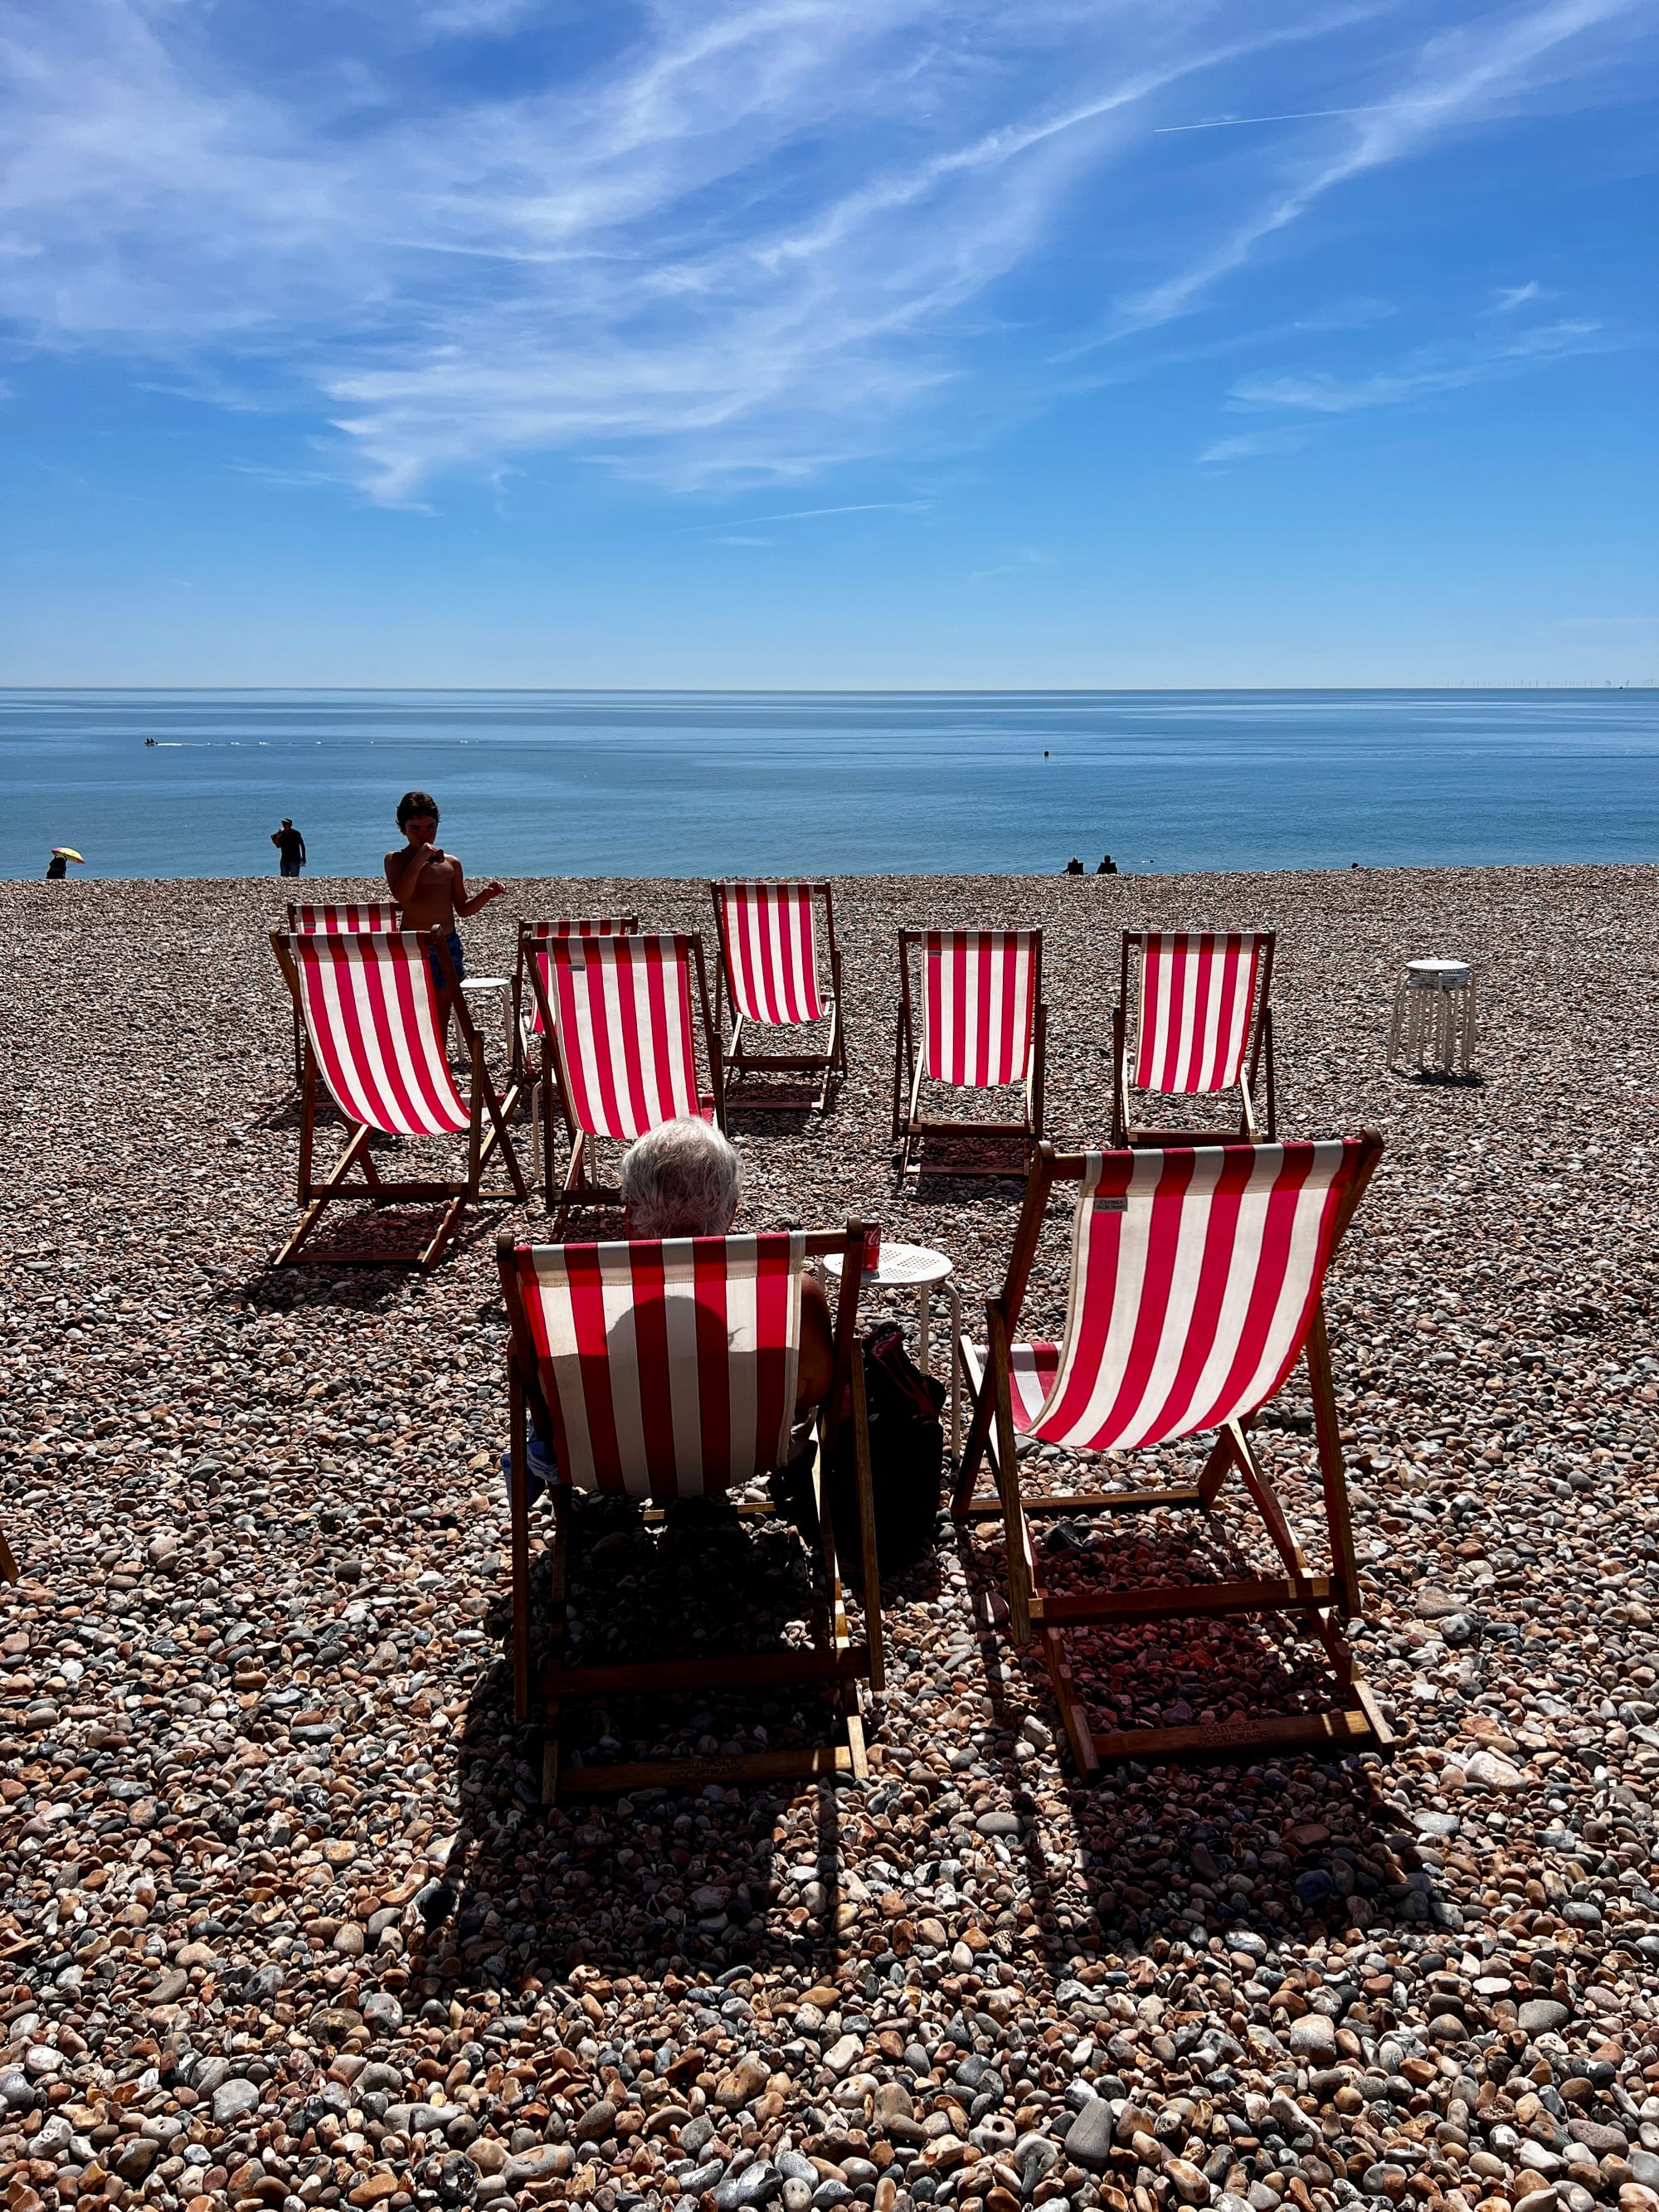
(844, 783)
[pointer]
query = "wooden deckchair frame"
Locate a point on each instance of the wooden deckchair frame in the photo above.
(579, 1187)
(831, 1062)
(317, 1196)
(542, 1082)
(1322, 1602)
(1260, 1048)
(911, 1131)
(833, 1662)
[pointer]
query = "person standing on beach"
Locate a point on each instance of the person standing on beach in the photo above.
(291, 847)
(428, 885)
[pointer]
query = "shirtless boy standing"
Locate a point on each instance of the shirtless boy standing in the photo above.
(428, 885)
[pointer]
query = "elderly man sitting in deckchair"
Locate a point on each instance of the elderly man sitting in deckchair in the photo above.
(683, 1179)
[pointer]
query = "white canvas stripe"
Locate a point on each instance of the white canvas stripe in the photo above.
(623, 1364)
(685, 1397)
(559, 1319)
(1140, 1421)
(742, 1335)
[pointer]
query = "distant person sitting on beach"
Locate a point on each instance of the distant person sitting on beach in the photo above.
(1108, 866)
(428, 885)
(57, 868)
(1074, 867)
(291, 847)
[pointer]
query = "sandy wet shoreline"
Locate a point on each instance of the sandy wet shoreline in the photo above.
(256, 1659)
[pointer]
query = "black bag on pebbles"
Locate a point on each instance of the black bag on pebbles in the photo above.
(907, 1464)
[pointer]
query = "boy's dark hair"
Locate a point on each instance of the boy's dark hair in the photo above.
(415, 802)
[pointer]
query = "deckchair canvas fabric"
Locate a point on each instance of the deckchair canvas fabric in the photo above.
(771, 950)
(537, 935)
(627, 1043)
(1194, 1277)
(980, 1005)
(371, 1011)
(669, 1368)
(1197, 989)
(344, 920)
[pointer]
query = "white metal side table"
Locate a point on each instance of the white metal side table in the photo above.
(1433, 1024)
(918, 1267)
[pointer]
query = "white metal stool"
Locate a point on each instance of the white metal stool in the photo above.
(1433, 1024)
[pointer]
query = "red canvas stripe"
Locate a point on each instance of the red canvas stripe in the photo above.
(1178, 1410)
(593, 1362)
(536, 1298)
(601, 968)
(359, 1015)
(714, 1370)
(773, 1271)
(651, 1377)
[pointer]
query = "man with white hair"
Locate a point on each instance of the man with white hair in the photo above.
(683, 1179)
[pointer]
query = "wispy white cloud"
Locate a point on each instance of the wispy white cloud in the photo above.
(1463, 74)
(733, 540)
(1252, 444)
(1514, 297)
(1422, 374)
(714, 247)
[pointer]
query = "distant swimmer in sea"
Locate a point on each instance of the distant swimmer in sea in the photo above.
(290, 847)
(1108, 866)
(428, 885)
(1074, 867)
(149, 741)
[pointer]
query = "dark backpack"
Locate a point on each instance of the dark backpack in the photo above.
(906, 1459)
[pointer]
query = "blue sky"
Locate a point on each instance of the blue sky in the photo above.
(854, 342)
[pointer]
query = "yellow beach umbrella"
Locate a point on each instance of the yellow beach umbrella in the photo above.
(67, 853)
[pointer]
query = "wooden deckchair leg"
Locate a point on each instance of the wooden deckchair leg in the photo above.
(1215, 1469)
(979, 1430)
(563, 1503)
(1331, 1475)
(474, 1126)
(1265, 1498)
(324, 1193)
(872, 1563)
(446, 1229)
(518, 1503)
(1014, 1519)
(1073, 1710)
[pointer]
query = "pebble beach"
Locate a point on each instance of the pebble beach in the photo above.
(283, 1923)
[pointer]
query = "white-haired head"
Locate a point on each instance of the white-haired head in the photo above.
(680, 1180)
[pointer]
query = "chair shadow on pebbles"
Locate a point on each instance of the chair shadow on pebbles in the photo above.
(703, 1884)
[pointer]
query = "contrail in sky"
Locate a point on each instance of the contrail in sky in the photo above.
(1232, 122)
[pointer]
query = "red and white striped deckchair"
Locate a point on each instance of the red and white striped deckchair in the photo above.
(1204, 1023)
(368, 1005)
(663, 1370)
(345, 919)
(1196, 1285)
(620, 1015)
(335, 920)
(768, 974)
(983, 1027)
(533, 1061)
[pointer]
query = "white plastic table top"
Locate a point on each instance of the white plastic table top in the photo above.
(1438, 974)
(902, 1267)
